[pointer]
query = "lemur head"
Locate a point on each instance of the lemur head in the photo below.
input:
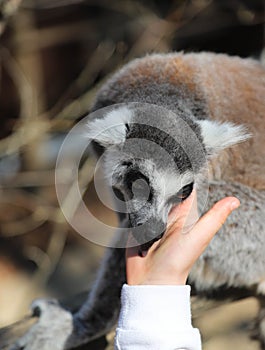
(153, 159)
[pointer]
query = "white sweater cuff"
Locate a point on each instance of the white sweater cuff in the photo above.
(143, 304)
(153, 316)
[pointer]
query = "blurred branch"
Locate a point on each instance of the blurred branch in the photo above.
(60, 226)
(86, 78)
(30, 132)
(38, 213)
(20, 81)
(38, 39)
(49, 4)
(40, 178)
(7, 9)
(155, 37)
(24, 132)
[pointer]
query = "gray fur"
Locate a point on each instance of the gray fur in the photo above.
(241, 241)
(200, 100)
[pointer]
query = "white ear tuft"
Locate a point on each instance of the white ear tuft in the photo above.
(217, 136)
(111, 129)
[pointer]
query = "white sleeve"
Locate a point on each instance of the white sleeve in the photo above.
(155, 318)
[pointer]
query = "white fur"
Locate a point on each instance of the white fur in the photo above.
(171, 182)
(112, 163)
(111, 129)
(168, 184)
(218, 135)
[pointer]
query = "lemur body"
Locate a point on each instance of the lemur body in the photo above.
(206, 92)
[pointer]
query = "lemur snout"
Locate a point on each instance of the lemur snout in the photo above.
(149, 232)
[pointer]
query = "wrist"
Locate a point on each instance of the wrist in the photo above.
(162, 282)
(174, 280)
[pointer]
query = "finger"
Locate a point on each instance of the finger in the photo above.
(185, 213)
(192, 216)
(132, 246)
(212, 221)
(135, 264)
(131, 251)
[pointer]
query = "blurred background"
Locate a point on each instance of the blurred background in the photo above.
(54, 55)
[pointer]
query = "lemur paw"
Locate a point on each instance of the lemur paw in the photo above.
(54, 326)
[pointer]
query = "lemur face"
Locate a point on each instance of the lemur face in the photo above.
(147, 193)
(153, 158)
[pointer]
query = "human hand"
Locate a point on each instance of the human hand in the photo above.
(169, 260)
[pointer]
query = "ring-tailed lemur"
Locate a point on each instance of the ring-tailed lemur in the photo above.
(202, 99)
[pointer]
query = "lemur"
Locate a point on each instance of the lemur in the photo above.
(197, 107)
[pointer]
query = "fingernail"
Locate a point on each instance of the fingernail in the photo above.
(234, 204)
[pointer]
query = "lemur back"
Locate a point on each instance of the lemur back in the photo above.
(209, 86)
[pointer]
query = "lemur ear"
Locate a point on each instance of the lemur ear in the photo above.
(217, 136)
(111, 129)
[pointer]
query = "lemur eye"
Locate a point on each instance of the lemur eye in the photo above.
(185, 192)
(182, 194)
(128, 164)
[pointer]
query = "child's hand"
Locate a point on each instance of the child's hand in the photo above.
(170, 260)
